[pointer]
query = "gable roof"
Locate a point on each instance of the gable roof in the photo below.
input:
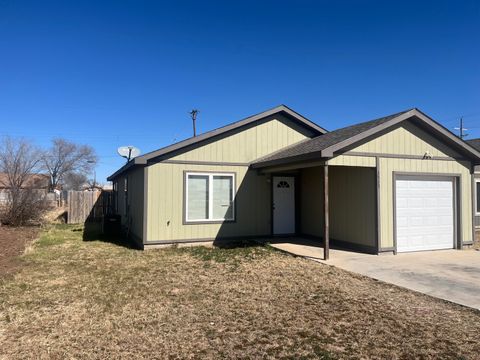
(281, 109)
(325, 146)
(474, 143)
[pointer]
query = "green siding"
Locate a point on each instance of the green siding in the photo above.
(249, 144)
(135, 201)
(166, 200)
(353, 205)
(410, 140)
(352, 199)
(346, 160)
(133, 218)
(311, 201)
(253, 196)
(121, 197)
(407, 139)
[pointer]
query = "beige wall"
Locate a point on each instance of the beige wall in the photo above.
(353, 205)
(407, 139)
(120, 199)
(165, 204)
(352, 186)
(134, 217)
(135, 201)
(249, 144)
(346, 160)
(253, 195)
(352, 199)
(311, 201)
(411, 140)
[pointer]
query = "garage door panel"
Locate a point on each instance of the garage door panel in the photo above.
(424, 214)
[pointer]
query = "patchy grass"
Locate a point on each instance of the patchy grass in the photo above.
(93, 299)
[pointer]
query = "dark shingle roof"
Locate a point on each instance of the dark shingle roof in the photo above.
(474, 143)
(322, 142)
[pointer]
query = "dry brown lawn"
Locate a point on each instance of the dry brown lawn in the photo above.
(97, 300)
(13, 241)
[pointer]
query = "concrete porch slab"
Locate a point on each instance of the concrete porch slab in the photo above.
(299, 247)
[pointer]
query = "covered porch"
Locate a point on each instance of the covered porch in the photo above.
(327, 206)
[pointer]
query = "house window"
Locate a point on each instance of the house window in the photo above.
(209, 197)
(477, 197)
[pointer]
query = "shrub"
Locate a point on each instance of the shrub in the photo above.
(23, 207)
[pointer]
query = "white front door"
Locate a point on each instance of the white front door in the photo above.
(283, 205)
(424, 213)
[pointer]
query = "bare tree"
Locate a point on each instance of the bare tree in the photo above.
(19, 164)
(74, 181)
(65, 157)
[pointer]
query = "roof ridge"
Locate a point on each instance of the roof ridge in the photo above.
(376, 119)
(326, 145)
(300, 119)
(217, 128)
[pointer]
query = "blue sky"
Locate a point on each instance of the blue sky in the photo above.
(112, 73)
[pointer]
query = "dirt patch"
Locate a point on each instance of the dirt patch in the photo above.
(13, 242)
(95, 300)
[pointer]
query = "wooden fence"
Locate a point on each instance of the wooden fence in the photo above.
(83, 206)
(88, 205)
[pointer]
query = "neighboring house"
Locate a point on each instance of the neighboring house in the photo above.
(476, 144)
(394, 184)
(39, 182)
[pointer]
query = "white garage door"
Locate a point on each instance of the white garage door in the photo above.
(424, 214)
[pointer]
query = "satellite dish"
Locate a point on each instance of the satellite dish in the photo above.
(128, 152)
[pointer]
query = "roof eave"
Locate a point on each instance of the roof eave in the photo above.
(124, 168)
(288, 160)
(333, 150)
(143, 160)
(329, 151)
(474, 154)
(216, 132)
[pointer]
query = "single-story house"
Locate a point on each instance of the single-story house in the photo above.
(398, 183)
(476, 144)
(38, 182)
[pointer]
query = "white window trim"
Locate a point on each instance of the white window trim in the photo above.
(477, 181)
(210, 197)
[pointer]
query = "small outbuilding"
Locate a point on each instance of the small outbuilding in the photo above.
(398, 183)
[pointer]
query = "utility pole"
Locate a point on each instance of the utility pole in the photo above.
(461, 129)
(193, 114)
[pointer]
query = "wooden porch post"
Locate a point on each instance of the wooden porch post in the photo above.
(326, 222)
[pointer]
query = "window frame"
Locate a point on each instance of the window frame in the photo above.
(210, 174)
(477, 182)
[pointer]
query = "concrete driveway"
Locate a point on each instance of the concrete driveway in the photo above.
(452, 275)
